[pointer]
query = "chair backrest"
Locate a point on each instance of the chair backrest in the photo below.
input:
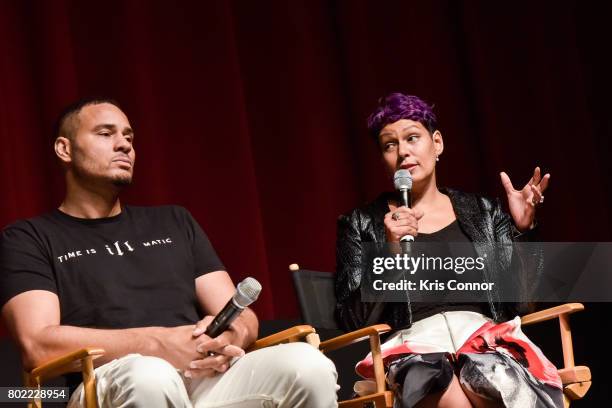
(317, 300)
(316, 295)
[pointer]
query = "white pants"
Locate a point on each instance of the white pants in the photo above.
(285, 376)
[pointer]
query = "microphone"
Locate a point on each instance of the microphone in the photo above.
(247, 292)
(402, 179)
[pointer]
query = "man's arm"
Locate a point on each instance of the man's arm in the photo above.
(33, 319)
(213, 291)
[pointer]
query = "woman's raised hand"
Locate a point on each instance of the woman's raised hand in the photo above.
(522, 203)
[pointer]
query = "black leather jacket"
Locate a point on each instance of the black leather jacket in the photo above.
(482, 220)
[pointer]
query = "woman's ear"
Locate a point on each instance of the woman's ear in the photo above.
(63, 149)
(438, 142)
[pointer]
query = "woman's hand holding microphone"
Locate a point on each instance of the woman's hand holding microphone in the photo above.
(402, 221)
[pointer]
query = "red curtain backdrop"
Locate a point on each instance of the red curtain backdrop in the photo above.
(252, 114)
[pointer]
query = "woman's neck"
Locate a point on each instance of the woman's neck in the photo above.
(426, 196)
(436, 207)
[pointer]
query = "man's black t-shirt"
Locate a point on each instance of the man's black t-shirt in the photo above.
(132, 270)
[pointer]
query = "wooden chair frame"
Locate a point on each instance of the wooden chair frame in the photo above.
(80, 360)
(382, 397)
(576, 380)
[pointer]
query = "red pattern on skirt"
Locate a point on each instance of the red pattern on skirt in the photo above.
(491, 337)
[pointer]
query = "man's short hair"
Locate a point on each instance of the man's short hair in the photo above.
(68, 121)
(396, 106)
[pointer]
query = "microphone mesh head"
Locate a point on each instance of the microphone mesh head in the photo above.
(248, 292)
(402, 180)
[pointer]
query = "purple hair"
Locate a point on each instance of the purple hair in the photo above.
(396, 106)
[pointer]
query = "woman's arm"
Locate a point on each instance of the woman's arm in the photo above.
(525, 261)
(351, 312)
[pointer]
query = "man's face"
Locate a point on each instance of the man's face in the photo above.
(102, 147)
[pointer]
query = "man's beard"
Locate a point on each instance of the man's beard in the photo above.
(123, 181)
(88, 170)
(117, 180)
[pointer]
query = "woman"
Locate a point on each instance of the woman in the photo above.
(493, 363)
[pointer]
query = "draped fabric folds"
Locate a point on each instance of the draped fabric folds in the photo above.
(252, 114)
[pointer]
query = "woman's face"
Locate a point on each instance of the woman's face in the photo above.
(407, 144)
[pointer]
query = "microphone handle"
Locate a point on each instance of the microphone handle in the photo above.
(224, 318)
(406, 198)
(406, 202)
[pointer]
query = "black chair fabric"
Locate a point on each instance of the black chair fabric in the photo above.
(316, 296)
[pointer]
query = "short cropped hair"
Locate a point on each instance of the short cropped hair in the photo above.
(68, 121)
(396, 106)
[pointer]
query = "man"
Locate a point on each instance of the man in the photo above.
(135, 281)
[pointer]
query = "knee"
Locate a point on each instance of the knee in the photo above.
(145, 378)
(151, 372)
(307, 366)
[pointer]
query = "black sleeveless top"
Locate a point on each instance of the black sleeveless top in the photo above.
(451, 233)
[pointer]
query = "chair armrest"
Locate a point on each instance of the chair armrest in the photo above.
(373, 334)
(575, 374)
(551, 313)
(64, 364)
(562, 312)
(353, 337)
(290, 335)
